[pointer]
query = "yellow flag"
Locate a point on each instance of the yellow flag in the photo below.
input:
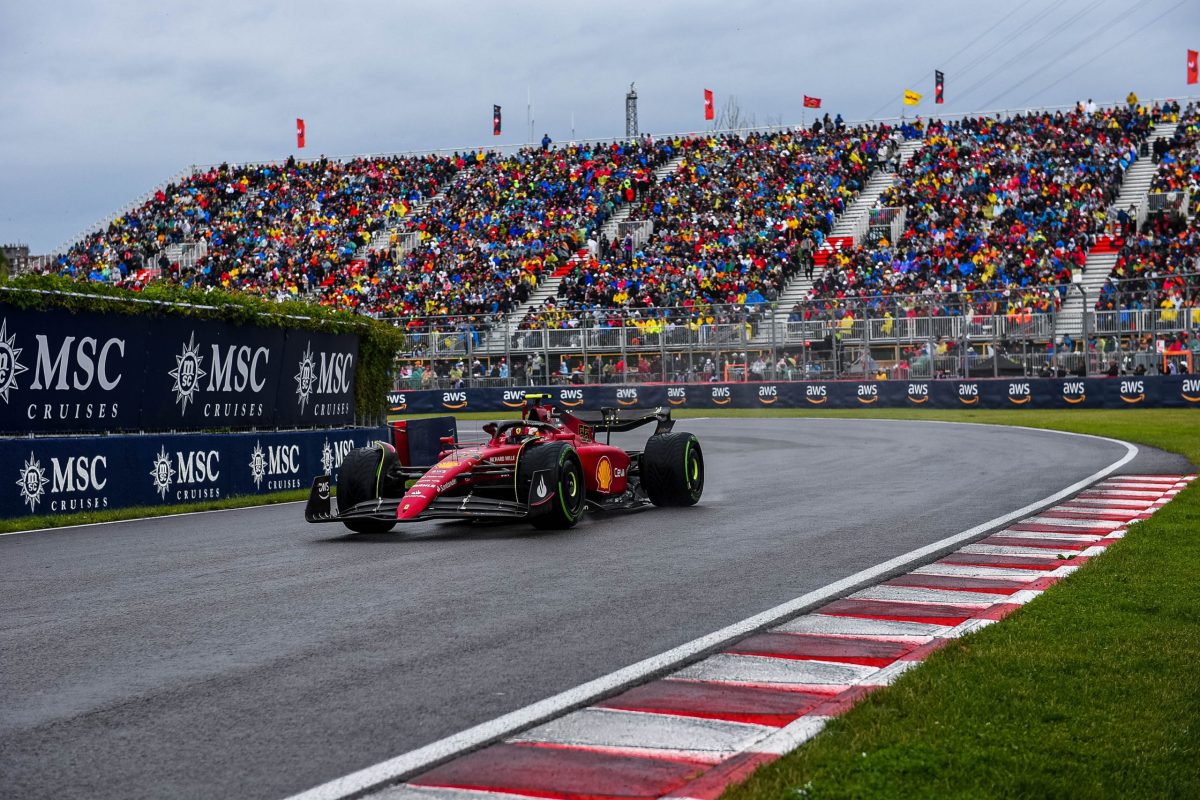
(911, 98)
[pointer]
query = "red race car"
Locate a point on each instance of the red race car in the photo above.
(546, 467)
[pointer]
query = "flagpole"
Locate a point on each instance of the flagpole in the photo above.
(529, 112)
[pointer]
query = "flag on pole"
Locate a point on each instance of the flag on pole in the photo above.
(495, 120)
(939, 84)
(912, 98)
(812, 102)
(708, 104)
(299, 132)
(1193, 70)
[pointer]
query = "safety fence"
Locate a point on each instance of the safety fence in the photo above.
(1174, 391)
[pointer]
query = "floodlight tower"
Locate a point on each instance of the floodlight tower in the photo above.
(631, 125)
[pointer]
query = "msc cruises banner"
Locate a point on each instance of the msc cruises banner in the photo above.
(60, 475)
(1126, 392)
(63, 372)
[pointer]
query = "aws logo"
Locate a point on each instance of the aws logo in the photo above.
(816, 394)
(721, 395)
(454, 400)
(1074, 392)
(1019, 394)
(968, 394)
(397, 401)
(918, 393)
(570, 397)
(1191, 390)
(768, 394)
(867, 393)
(676, 395)
(627, 396)
(513, 398)
(1133, 392)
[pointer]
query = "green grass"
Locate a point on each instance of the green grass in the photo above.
(138, 512)
(1092, 690)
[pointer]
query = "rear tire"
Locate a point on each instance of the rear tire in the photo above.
(564, 474)
(362, 477)
(673, 469)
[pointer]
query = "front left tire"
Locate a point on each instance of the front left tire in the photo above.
(362, 477)
(563, 471)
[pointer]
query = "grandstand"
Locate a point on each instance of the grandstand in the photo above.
(1067, 234)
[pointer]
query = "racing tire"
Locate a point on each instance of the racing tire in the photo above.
(673, 469)
(569, 503)
(362, 477)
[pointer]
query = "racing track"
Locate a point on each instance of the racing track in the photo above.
(247, 654)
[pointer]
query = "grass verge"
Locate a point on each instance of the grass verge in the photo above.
(138, 512)
(1092, 690)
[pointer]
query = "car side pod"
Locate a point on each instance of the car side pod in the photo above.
(319, 507)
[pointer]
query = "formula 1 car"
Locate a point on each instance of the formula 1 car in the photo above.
(546, 467)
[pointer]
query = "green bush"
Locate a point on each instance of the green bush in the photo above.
(378, 341)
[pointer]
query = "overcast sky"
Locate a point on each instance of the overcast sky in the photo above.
(104, 101)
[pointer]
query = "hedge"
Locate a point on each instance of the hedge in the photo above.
(378, 341)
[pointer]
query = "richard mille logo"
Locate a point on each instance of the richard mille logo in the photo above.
(10, 367)
(187, 373)
(32, 482)
(258, 465)
(306, 377)
(163, 473)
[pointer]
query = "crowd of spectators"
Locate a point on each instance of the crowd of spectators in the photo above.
(506, 222)
(998, 213)
(728, 224)
(278, 230)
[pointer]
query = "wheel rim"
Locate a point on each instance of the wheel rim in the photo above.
(569, 491)
(693, 468)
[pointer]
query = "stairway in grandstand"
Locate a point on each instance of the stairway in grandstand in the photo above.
(1135, 186)
(842, 236)
(549, 286)
(383, 239)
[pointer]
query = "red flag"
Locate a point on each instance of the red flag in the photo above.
(812, 102)
(708, 104)
(299, 132)
(1193, 70)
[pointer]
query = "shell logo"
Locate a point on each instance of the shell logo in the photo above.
(604, 474)
(447, 464)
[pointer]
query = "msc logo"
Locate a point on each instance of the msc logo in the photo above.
(73, 476)
(195, 468)
(514, 398)
(570, 397)
(721, 395)
(332, 454)
(236, 369)
(277, 463)
(1074, 392)
(918, 392)
(331, 375)
(454, 400)
(768, 394)
(627, 396)
(1019, 393)
(1133, 391)
(397, 401)
(968, 393)
(1191, 390)
(867, 393)
(10, 367)
(815, 394)
(676, 395)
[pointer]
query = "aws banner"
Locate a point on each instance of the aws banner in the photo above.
(56, 475)
(1128, 392)
(63, 372)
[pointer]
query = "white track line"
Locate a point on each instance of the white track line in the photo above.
(407, 764)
